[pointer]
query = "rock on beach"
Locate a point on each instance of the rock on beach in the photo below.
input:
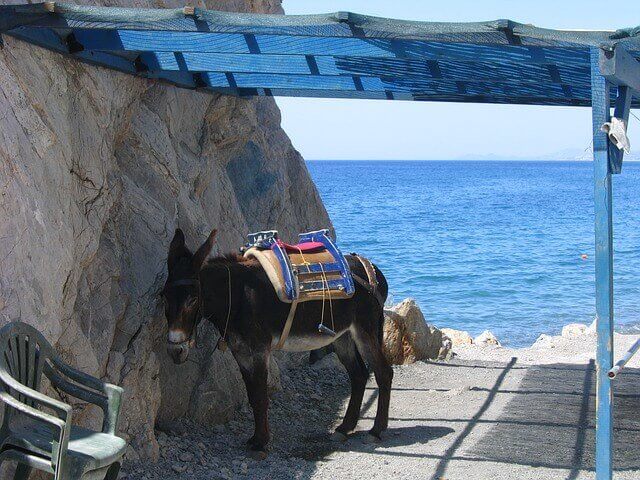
(408, 338)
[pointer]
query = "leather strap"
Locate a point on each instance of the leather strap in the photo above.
(287, 326)
(371, 284)
(368, 268)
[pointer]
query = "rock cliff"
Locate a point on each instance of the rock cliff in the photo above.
(97, 169)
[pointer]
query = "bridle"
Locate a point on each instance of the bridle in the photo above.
(189, 282)
(221, 344)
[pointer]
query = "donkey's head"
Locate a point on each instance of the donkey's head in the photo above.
(181, 294)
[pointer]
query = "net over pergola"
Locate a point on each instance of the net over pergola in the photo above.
(344, 55)
(338, 55)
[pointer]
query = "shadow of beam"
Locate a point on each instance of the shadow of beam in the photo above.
(449, 454)
(512, 392)
(559, 429)
(583, 420)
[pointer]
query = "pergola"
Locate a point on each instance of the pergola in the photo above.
(345, 55)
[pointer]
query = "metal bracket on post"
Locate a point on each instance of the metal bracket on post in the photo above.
(620, 68)
(601, 109)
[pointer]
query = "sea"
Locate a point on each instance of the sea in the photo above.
(505, 246)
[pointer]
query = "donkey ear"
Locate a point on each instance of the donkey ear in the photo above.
(178, 240)
(204, 250)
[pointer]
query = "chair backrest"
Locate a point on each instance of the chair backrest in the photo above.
(23, 353)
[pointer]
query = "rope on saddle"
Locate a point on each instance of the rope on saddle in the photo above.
(371, 284)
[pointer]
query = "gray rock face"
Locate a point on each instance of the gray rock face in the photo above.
(97, 169)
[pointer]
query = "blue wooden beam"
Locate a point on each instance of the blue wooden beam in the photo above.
(216, 42)
(620, 68)
(621, 111)
(604, 269)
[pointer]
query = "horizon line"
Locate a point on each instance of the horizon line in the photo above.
(451, 160)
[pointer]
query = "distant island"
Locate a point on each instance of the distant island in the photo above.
(570, 154)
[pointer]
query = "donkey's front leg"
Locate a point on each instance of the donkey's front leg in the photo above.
(254, 369)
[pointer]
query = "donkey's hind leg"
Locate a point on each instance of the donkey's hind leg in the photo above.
(369, 345)
(346, 350)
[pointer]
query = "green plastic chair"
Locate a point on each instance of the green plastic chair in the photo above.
(36, 430)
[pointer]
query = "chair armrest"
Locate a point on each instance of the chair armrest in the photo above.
(112, 413)
(90, 389)
(62, 409)
(32, 412)
(63, 426)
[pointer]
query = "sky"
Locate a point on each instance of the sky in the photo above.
(327, 129)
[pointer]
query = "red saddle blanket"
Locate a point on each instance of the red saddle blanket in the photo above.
(306, 247)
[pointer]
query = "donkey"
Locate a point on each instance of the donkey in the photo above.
(236, 295)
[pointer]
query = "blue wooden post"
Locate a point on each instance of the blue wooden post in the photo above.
(600, 89)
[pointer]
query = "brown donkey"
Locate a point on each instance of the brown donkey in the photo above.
(235, 294)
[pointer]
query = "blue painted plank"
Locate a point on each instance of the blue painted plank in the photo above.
(364, 77)
(362, 66)
(221, 62)
(158, 41)
(154, 40)
(407, 85)
(405, 96)
(604, 270)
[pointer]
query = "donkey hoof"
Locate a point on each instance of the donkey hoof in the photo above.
(372, 437)
(338, 436)
(257, 455)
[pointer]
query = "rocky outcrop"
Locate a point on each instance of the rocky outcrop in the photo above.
(575, 330)
(97, 169)
(408, 338)
(457, 337)
(486, 338)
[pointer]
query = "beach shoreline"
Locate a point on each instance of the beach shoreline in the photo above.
(576, 345)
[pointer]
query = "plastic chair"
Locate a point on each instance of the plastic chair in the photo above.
(36, 430)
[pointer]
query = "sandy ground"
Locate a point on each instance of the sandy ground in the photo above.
(526, 414)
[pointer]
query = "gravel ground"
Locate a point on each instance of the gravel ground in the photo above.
(466, 419)
(301, 415)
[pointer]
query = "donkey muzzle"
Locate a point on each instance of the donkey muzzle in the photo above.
(179, 352)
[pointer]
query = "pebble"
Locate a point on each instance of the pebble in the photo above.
(186, 457)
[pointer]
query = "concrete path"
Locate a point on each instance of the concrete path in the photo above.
(493, 421)
(457, 421)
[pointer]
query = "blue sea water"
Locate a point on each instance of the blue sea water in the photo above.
(487, 244)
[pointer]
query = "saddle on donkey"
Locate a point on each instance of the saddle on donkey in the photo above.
(314, 269)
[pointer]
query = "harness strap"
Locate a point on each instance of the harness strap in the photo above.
(371, 284)
(287, 325)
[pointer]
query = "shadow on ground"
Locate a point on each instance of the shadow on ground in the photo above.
(500, 421)
(550, 421)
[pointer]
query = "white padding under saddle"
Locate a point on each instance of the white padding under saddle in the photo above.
(272, 268)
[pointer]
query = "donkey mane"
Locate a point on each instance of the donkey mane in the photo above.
(230, 259)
